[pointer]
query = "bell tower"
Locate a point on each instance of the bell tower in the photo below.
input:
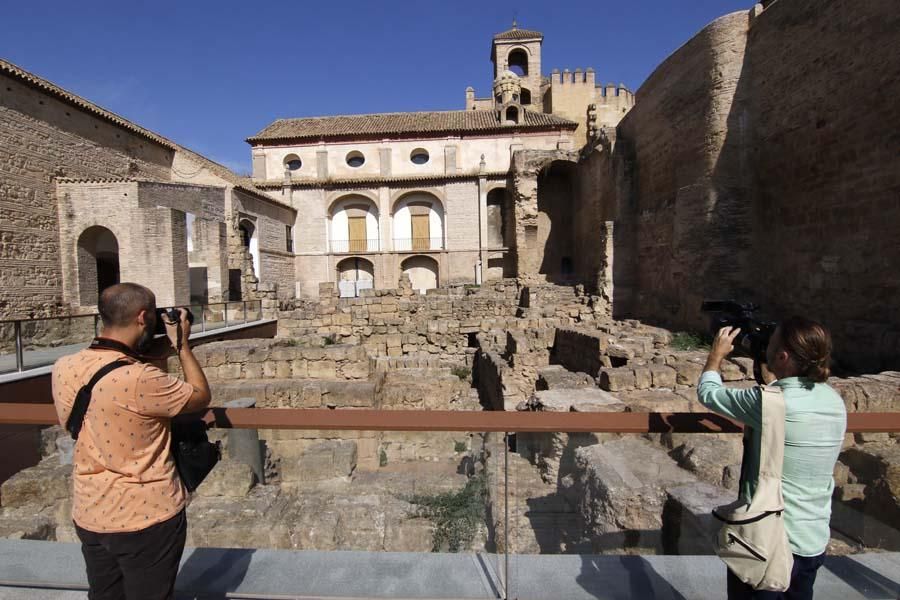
(519, 51)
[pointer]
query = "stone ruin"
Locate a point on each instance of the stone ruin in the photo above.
(503, 346)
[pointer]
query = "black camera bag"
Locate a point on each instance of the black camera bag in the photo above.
(195, 456)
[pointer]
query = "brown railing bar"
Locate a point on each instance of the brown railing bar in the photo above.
(442, 420)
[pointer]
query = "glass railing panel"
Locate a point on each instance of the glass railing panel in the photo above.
(213, 316)
(45, 340)
(8, 347)
(602, 501)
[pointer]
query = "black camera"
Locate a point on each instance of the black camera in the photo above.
(755, 333)
(173, 315)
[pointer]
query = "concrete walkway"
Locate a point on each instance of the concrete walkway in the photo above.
(36, 570)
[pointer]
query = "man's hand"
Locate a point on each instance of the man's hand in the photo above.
(721, 347)
(173, 326)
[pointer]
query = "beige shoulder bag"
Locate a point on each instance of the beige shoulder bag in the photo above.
(753, 542)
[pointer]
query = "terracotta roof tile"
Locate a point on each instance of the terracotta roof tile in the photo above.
(519, 34)
(451, 121)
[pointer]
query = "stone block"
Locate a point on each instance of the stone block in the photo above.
(617, 379)
(642, 378)
(621, 486)
(229, 478)
(38, 486)
(662, 376)
(576, 400)
(322, 369)
(321, 461)
(688, 524)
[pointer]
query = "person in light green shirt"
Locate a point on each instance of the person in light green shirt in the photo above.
(797, 358)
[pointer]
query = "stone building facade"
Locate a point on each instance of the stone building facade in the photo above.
(88, 198)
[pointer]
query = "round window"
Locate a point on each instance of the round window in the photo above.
(356, 159)
(419, 156)
(292, 162)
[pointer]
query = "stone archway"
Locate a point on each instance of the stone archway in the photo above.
(423, 272)
(542, 235)
(98, 263)
(354, 274)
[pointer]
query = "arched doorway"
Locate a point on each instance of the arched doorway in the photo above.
(496, 218)
(98, 263)
(354, 275)
(250, 241)
(422, 272)
(354, 225)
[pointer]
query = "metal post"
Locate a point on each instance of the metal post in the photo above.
(506, 515)
(226, 314)
(96, 325)
(244, 302)
(202, 318)
(20, 350)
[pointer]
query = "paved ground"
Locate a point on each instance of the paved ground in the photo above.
(223, 573)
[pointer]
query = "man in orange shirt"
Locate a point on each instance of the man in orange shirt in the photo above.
(129, 502)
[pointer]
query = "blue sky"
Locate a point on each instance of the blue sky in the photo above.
(208, 75)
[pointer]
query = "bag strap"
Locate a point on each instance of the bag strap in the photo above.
(83, 398)
(771, 447)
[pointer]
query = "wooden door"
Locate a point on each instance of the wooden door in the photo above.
(357, 234)
(421, 233)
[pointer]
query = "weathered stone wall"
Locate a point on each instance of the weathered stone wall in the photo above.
(750, 172)
(267, 359)
(824, 79)
(41, 138)
(686, 219)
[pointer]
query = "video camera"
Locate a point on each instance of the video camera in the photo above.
(754, 337)
(174, 315)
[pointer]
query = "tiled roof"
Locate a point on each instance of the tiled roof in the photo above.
(66, 96)
(519, 34)
(451, 121)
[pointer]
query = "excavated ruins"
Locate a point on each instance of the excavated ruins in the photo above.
(503, 346)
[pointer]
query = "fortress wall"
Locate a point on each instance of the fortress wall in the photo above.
(762, 164)
(41, 138)
(825, 78)
(683, 223)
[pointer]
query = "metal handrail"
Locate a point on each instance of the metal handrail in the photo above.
(448, 420)
(20, 344)
(355, 246)
(424, 244)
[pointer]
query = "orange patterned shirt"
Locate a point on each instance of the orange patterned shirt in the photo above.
(124, 476)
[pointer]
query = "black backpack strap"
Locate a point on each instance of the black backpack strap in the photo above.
(83, 399)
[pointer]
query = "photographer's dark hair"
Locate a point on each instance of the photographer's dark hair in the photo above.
(809, 343)
(121, 303)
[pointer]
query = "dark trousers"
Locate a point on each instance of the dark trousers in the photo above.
(803, 576)
(141, 565)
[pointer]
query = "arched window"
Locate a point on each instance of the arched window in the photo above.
(354, 225)
(512, 115)
(98, 263)
(517, 62)
(292, 162)
(250, 241)
(526, 96)
(418, 223)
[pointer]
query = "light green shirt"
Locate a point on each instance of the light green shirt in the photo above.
(815, 422)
